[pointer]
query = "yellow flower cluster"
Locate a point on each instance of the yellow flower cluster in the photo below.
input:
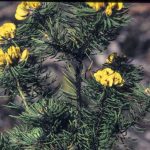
(108, 77)
(13, 53)
(96, 5)
(108, 6)
(111, 58)
(24, 9)
(7, 31)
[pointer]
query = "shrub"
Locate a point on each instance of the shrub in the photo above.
(80, 113)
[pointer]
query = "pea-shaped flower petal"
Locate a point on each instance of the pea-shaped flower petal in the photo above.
(120, 6)
(8, 59)
(108, 11)
(25, 55)
(7, 31)
(2, 57)
(14, 52)
(24, 9)
(95, 5)
(34, 5)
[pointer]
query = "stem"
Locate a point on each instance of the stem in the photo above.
(78, 71)
(19, 90)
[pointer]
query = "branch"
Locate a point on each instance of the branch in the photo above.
(78, 70)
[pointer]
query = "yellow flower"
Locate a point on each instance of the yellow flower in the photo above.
(24, 9)
(108, 77)
(98, 75)
(117, 79)
(33, 5)
(7, 31)
(25, 55)
(111, 58)
(120, 6)
(107, 81)
(2, 57)
(108, 71)
(96, 5)
(14, 52)
(21, 11)
(8, 59)
(108, 11)
(147, 91)
(110, 6)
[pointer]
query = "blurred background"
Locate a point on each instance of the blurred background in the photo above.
(133, 40)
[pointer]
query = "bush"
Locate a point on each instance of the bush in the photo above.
(80, 113)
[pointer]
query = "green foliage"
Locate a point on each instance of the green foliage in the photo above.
(31, 77)
(51, 124)
(117, 108)
(69, 27)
